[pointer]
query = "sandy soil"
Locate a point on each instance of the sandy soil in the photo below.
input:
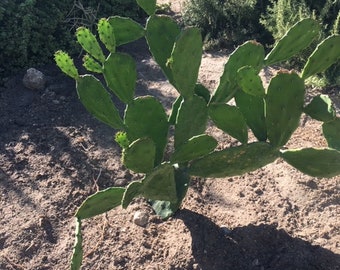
(53, 154)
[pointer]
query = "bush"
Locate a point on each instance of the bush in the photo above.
(227, 22)
(32, 30)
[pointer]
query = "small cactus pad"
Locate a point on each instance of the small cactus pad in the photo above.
(149, 6)
(133, 190)
(314, 162)
(325, 54)
(77, 255)
(91, 64)
(320, 108)
(253, 110)
(120, 75)
(98, 101)
(66, 64)
(163, 209)
(331, 131)
(140, 155)
(299, 37)
(234, 161)
(251, 54)
(90, 44)
(100, 202)
(161, 34)
(284, 105)
(202, 91)
(194, 148)
(145, 117)
(191, 120)
(250, 81)
(107, 35)
(230, 120)
(126, 30)
(185, 61)
(160, 184)
(122, 139)
(174, 111)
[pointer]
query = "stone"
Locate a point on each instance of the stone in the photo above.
(34, 79)
(141, 218)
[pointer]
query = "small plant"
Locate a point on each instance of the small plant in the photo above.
(272, 114)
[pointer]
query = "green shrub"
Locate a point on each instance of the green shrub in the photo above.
(31, 30)
(227, 22)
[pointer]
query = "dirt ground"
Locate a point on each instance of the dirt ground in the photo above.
(53, 154)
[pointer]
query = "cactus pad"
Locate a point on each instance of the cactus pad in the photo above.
(234, 161)
(66, 64)
(98, 101)
(251, 54)
(299, 37)
(331, 131)
(250, 81)
(126, 30)
(145, 117)
(174, 111)
(161, 34)
(191, 120)
(185, 61)
(100, 202)
(253, 110)
(107, 35)
(120, 75)
(284, 105)
(325, 54)
(321, 108)
(140, 155)
(91, 64)
(133, 190)
(90, 44)
(194, 148)
(230, 120)
(314, 162)
(202, 91)
(149, 6)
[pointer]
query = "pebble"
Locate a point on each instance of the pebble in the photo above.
(120, 182)
(141, 218)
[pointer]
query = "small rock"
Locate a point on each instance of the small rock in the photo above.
(34, 79)
(120, 182)
(141, 218)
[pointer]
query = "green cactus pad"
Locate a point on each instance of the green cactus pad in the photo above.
(140, 155)
(149, 6)
(66, 64)
(162, 208)
(91, 64)
(185, 61)
(107, 34)
(284, 105)
(314, 162)
(230, 120)
(331, 131)
(299, 37)
(234, 161)
(253, 110)
(251, 54)
(145, 117)
(325, 54)
(122, 139)
(250, 81)
(100, 202)
(174, 111)
(202, 91)
(120, 75)
(194, 148)
(98, 101)
(161, 34)
(90, 44)
(321, 108)
(77, 255)
(126, 30)
(133, 190)
(191, 120)
(160, 184)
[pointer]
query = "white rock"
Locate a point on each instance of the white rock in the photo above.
(141, 218)
(34, 79)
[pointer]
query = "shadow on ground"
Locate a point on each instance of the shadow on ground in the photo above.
(252, 247)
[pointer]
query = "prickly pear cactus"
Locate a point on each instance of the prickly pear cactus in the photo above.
(145, 130)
